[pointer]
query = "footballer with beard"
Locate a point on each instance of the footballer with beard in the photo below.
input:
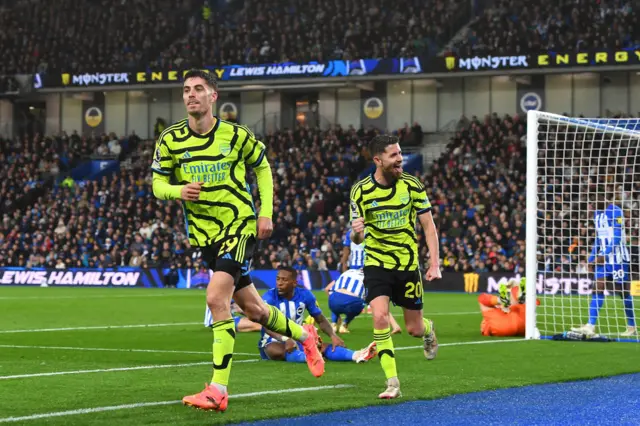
(384, 209)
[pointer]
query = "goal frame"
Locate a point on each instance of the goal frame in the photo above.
(531, 221)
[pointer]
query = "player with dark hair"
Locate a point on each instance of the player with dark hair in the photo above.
(384, 208)
(202, 161)
(611, 256)
(293, 301)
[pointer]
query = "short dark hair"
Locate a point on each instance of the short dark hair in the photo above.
(207, 76)
(288, 269)
(379, 143)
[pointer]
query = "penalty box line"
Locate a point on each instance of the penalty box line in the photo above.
(153, 351)
(100, 327)
(159, 403)
(169, 351)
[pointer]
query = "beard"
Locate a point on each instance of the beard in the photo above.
(391, 173)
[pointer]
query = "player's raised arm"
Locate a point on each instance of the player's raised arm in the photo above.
(357, 215)
(422, 206)
(254, 153)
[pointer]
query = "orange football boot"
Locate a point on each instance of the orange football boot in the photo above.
(209, 399)
(315, 361)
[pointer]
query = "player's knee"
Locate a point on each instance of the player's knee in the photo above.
(217, 304)
(415, 330)
(381, 320)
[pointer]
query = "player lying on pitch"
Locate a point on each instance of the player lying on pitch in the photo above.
(243, 324)
(346, 298)
(293, 301)
(504, 315)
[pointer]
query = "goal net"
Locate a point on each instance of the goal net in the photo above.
(583, 221)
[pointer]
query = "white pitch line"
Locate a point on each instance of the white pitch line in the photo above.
(108, 370)
(114, 296)
(159, 351)
(99, 327)
(433, 314)
(106, 327)
(476, 342)
(72, 348)
(159, 403)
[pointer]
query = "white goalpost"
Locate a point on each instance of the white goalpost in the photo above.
(582, 226)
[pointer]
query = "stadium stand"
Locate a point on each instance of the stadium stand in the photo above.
(38, 38)
(482, 211)
(307, 30)
(477, 190)
(71, 226)
(28, 165)
(69, 37)
(519, 27)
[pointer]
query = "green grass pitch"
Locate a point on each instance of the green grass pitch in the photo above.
(25, 357)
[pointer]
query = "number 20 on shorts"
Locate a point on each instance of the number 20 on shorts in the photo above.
(414, 290)
(618, 275)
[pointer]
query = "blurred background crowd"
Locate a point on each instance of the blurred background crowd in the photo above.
(476, 188)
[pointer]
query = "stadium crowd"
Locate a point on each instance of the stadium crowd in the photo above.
(31, 162)
(515, 27)
(309, 30)
(476, 189)
(88, 36)
(141, 34)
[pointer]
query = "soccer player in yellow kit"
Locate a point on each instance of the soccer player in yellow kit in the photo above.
(202, 161)
(384, 208)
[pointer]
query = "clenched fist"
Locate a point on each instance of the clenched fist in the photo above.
(191, 191)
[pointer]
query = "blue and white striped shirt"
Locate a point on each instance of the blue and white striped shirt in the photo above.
(351, 282)
(356, 258)
(611, 239)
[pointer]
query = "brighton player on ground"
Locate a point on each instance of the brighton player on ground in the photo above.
(293, 300)
(346, 298)
(504, 315)
(202, 161)
(611, 256)
(384, 209)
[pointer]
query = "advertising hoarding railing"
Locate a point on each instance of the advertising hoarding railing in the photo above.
(414, 67)
(546, 284)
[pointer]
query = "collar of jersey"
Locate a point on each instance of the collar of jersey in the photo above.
(209, 133)
(376, 183)
(282, 297)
